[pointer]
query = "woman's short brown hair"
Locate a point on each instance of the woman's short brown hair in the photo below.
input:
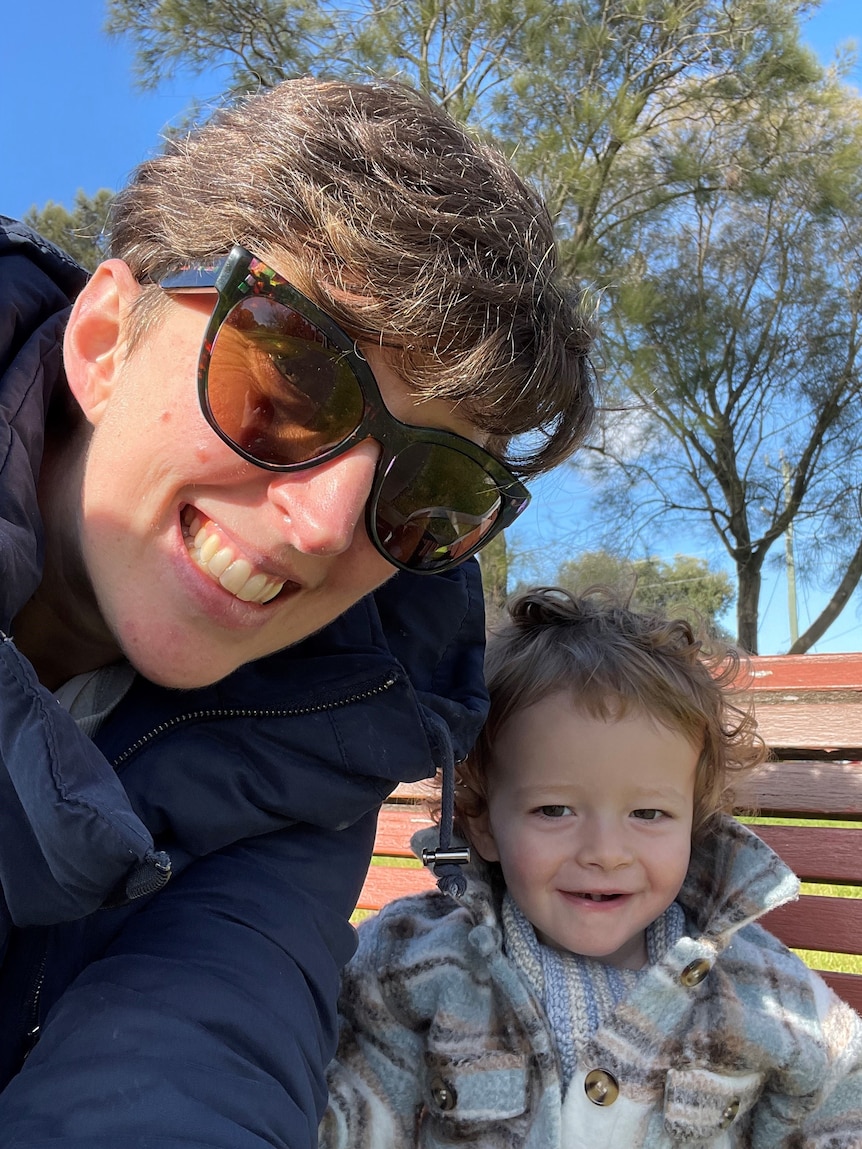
(400, 224)
(614, 661)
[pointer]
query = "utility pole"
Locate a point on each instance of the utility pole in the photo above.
(789, 560)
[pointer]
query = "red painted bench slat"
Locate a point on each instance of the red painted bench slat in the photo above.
(824, 724)
(846, 985)
(806, 672)
(385, 883)
(396, 825)
(818, 854)
(816, 923)
(804, 789)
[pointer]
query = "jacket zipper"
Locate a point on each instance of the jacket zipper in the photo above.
(251, 712)
(34, 1024)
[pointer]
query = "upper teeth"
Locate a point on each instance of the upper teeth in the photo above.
(222, 563)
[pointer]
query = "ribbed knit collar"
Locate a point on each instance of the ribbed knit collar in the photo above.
(579, 993)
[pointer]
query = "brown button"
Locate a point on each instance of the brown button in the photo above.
(601, 1087)
(694, 972)
(443, 1094)
(729, 1113)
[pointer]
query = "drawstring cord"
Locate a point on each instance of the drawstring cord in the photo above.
(447, 859)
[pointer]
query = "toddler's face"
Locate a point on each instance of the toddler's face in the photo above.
(591, 823)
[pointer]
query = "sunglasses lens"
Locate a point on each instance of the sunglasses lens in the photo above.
(276, 389)
(435, 506)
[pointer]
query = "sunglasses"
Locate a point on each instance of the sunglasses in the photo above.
(285, 387)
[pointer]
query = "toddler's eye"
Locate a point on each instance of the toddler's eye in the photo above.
(648, 815)
(555, 811)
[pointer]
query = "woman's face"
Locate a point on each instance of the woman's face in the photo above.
(197, 561)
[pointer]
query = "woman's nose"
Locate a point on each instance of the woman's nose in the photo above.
(323, 506)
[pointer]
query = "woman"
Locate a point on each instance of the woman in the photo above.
(238, 482)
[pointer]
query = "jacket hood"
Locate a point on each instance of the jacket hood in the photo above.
(38, 283)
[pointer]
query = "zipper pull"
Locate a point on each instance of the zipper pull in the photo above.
(31, 1037)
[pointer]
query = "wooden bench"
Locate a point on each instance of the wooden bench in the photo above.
(389, 877)
(809, 710)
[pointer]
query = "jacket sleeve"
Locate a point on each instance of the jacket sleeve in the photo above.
(817, 1104)
(375, 1090)
(210, 1019)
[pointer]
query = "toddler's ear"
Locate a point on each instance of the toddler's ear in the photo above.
(482, 837)
(94, 345)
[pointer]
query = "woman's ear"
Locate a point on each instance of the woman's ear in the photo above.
(94, 346)
(481, 836)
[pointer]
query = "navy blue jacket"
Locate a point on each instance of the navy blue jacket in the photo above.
(200, 1012)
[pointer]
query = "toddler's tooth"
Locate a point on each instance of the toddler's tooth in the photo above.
(195, 525)
(200, 535)
(236, 576)
(252, 588)
(209, 547)
(220, 561)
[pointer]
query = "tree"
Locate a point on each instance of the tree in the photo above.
(79, 232)
(665, 135)
(494, 561)
(570, 86)
(687, 587)
(256, 44)
(460, 51)
(602, 82)
(740, 337)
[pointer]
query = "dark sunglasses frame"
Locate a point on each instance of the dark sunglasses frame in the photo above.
(241, 274)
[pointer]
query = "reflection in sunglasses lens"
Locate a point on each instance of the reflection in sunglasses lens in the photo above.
(276, 389)
(435, 505)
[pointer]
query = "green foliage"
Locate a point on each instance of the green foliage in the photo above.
(706, 178)
(584, 93)
(687, 587)
(738, 337)
(256, 44)
(80, 232)
(494, 561)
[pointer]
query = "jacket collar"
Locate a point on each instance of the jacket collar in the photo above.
(733, 879)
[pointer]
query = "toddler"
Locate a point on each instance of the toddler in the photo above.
(602, 981)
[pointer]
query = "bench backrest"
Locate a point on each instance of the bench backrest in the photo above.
(395, 872)
(809, 710)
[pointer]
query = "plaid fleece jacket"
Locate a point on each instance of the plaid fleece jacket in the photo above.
(728, 1041)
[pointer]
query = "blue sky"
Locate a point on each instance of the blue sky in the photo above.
(73, 118)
